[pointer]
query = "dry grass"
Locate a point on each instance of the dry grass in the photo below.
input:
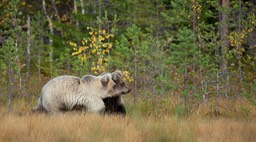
(91, 127)
(225, 130)
(147, 121)
(67, 127)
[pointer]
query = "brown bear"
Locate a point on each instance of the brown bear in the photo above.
(115, 105)
(66, 93)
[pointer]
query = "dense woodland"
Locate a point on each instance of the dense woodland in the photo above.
(197, 52)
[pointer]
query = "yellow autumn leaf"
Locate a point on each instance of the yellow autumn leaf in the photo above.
(111, 35)
(83, 48)
(93, 39)
(75, 53)
(107, 36)
(103, 70)
(85, 57)
(106, 59)
(100, 61)
(95, 45)
(72, 44)
(110, 45)
(101, 38)
(105, 45)
(93, 51)
(106, 50)
(103, 32)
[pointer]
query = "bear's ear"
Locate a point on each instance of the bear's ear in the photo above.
(105, 79)
(116, 75)
(119, 73)
(87, 78)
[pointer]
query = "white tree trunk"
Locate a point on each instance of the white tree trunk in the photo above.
(82, 7)
(75, 10)
(50, 39)
(28, 52)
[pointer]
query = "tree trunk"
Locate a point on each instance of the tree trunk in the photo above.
(185, 91)
(217, 80)
(50, 39)
(82, 7)
(99, 3)
(224, 20)
(240, 72)
(10, 85)
(20, 66)
(39, 61)
(17, 60)
(39, 56)
(75, 10)
(204, 85)
(224, 25)
(77, 27)
(217, 92)
(194, 21)
(135, 74)
(56, 10)
(28, 53)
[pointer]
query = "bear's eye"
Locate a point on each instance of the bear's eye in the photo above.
(122, 84)
(114, 86)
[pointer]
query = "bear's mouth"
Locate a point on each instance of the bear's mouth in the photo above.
(126, 92)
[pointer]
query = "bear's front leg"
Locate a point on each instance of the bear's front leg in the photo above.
(95, 104)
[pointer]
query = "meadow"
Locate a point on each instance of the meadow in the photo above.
(145, 122)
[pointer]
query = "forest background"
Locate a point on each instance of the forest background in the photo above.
(180, 57)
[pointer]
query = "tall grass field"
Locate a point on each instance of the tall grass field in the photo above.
(145, 122)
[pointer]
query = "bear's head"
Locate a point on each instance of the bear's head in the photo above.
(117, 77)
(102, 85)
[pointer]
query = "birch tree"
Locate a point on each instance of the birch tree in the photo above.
(50, 24)
(28, 52)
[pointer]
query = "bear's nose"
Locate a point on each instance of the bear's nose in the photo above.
(126, 92)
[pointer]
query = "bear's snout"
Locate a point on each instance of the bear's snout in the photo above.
(126, 92)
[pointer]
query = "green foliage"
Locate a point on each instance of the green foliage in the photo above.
(126, 47)
(183, 49)
(179, 14)
(250, 94)
(8, 51)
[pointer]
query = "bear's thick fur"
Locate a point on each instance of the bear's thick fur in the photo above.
(66, 93)
(114, 105)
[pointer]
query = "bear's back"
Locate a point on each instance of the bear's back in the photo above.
(62, 83)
